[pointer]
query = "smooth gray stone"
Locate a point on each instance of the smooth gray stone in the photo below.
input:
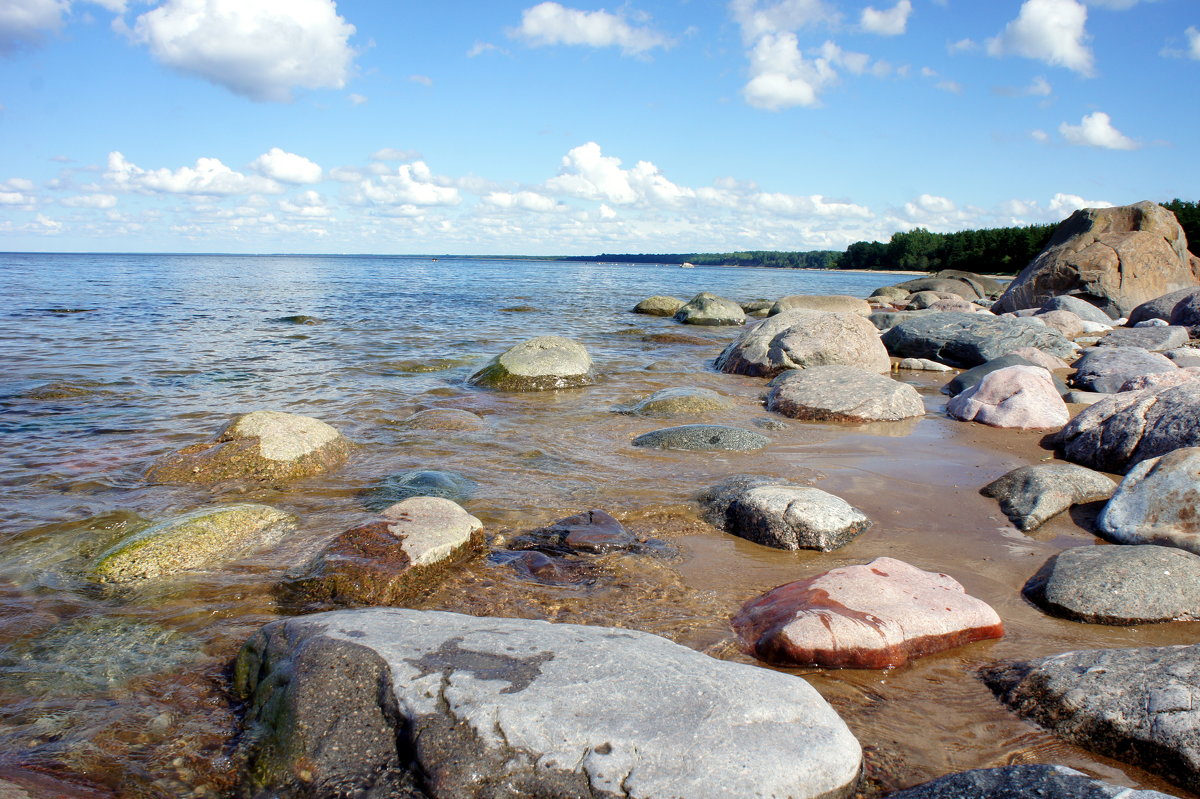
(703, 437)
(659, 305)
(972, 377)
(1184, 357)
(1154, 339)
(969, 339)
(1120, 585)
(1030, 495)
(795, 517)
(884, 320)
(943, 284)
(711, 310)
(1140, 706)
(1161, 307)
(982, 283)
(1187, 311)
(1105, 369)
(1124, 429)
(377, 702)
(1081, 308)
(1157, 502)
(1022, 782)
(802, 338)
(843, 394)
(716, 500)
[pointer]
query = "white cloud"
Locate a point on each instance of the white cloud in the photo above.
(308, 204)
(479, 48)
(962, 46)
(47, 225)
(18, 184)
(1067, 204)
(1048, 30)
(1039, 135)
(891, 22)
(412, 184)
(394, 154)
(90, 201)
(287, 167)
(524, 200)
(551, 23)
(951, 86)
(261, 49)
(589, 174)
(787, 15)
(1096, 130)
(781, 77)
(357, 99)
(23, 21)
(209, 177)
(1193, 37)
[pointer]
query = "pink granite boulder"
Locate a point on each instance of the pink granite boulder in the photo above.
(1017, 396)
(1175, 377)
(872, 616)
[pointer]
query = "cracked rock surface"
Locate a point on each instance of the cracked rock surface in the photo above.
(403, 703)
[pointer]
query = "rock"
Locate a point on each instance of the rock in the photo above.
(1184, 357)
(678, 402)
(1023, 397)
(418, 483)
(716, 500)
(546, 569)
(957, 305)
(838, 303)
(967, 339)
(264, 446)
(874, 616)
(1064, 322)
(539, 364)
(658, 305)
(444, 419)
(1116, 258)
(393, 702)
(199, 540)
(1083, 397)
(1156, 502)
(1106, 369)
(1151, 323)
(800, 339)
(986, 286)
(757, 308)
(923, 365)
(1135, 705)
(702, 437)
(971, 377)
(1031, 495)
(794, 517)
(1161, 307)
(922, 300)
(1187, 311)
(709, 309)
(891, 293)
(672, 337)
(1119, 585)
(593, 532)
(843, 394)
(389, 561)
(66, 390)
(940, 284)
(1019, 782)
(1154, 339)
(886, 320)
(1042, 359)
(1174, 377)
(1123, 430)
(299, 319)
(1080, 307)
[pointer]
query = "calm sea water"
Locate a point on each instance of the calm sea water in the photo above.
(109, 361)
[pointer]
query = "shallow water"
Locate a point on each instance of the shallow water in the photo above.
(111, 361)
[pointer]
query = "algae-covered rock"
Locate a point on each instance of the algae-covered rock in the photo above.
(539, 364)
(677, 402)
(202, 539)
(264, 446)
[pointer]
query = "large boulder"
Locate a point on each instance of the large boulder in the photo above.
(1156, 502)
(1081, 308)
(1151, 339)
(539, 364)
(947, 285)
(986, 286)
(200, 540)
(1116, 258)
(1021, 782)
(1187, 311)
(263, 446)
(800, 339)
(393, 702)
(839, 303)
(968, 339)
(874, 616)
(1029, 357)
(1135, 705)
(1125, 429)
(1107, 369)
(794, 517)
(843, 394)
(1161, 307)
(1023, 397)
(711, 310)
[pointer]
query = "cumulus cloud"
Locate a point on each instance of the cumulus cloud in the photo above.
(412, 184)
(90, 201)
(208, 178)
(1096, 130)
(287, 167)
(757, 20)
(1052, 31)
(261, 49)
(551, 23)
(1193, 37)
(962, 46)
(308, 204)
(22, 22)
(523, 200)
(891, 22)
(781, 76)
(589, 174)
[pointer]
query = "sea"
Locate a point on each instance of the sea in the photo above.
(110, 361)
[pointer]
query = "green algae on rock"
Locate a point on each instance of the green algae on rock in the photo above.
(539, 364)
(198, 540)
(262, 446)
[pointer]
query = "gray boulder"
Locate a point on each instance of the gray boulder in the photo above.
(890, 293)
(1119, 585)
(392, 702)
(795, 517)
(1156, 502)
(922, 300)
(968, 339)
(703, 437)
(1031, 495)
(1151, 338)
(539, 364)
(1022, 782)
(1184, 357)
(1125, 429)
(946, 285)
(884, 320)
(987, 286)
(711, 310)
(1106, 369)
(838, 303)
(1081, 308)
(1116, 258)
(843, 394)
(1187, 311)
(680, 401)
(800, 339)
(1136, 705)
(658, 305)
(1160, 307)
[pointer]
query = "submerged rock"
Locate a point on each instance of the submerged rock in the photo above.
(539, 364)
(800, 339)
(1020, 782)
(593, 531)
(794, 517)
(1030, 495)
(418, 483)
(264, 446)
(299, 319)
(202, 539)
(678, 402)
(843, 394)
(702, 437)
(874, 616)
(444, 419)
(376, 702)
(711, 310)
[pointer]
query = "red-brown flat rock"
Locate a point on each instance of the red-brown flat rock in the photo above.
(873, 616)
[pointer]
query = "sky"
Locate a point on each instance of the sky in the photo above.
(548, 128)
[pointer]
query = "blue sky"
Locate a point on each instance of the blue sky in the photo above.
(575, 128)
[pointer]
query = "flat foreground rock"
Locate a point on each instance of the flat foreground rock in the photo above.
(377, 702)
(843, 394)
(1136, 705)
(874, 616)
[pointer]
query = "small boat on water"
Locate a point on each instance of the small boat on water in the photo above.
(686, 265)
